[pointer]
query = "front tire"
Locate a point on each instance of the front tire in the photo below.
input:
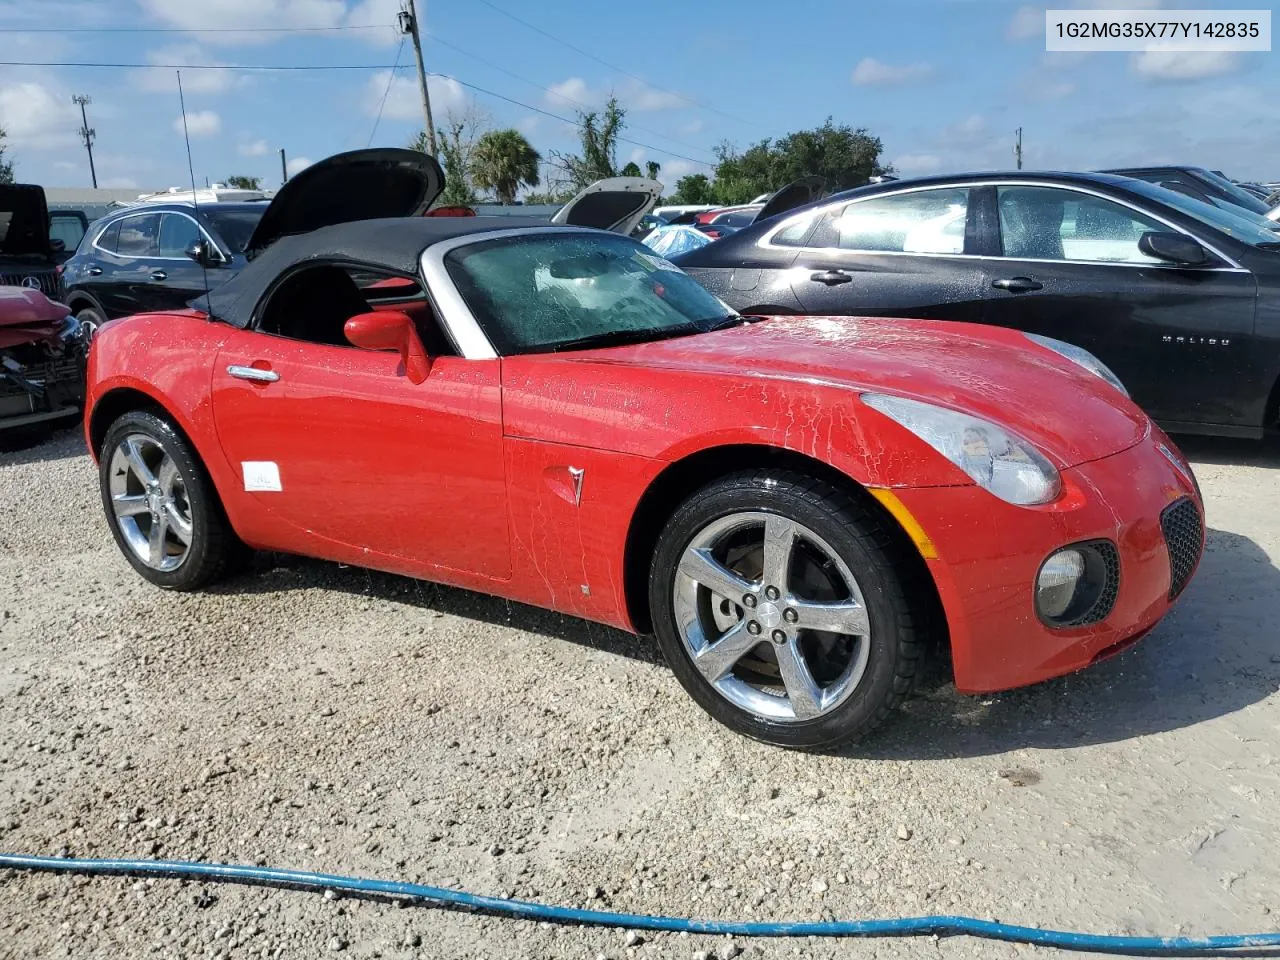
(782, 606)
(161, 506)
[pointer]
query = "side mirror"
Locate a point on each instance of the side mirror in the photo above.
(1173, 247)
(201, 254)
(57, 245)
(391, 330)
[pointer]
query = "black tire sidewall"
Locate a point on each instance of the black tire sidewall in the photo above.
(853, 536)
(191, 572)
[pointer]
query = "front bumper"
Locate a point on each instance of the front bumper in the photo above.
(989, 553)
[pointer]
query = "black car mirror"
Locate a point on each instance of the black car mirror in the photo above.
(1174, 247)
(201, 254)
(57, 246)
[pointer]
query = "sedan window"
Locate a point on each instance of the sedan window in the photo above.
(546, 292)
(138, 236)
(921, 221)
(1044, 223)
(177, 234)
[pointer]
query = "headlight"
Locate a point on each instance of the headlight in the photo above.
(1081, 356)
(997, 461)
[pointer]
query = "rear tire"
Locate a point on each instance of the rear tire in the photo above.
(825, 559)
(162, 507)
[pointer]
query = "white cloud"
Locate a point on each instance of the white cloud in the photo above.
(38, 117)
(972, 126)
(200, 123)
(915, 164)
(875, 73)
(1027, 22)
(253, 148)
(247, 15)
(673, 169)
(194, 80)
(404, 100)
(119, 183)
(377, 13)
(297, 165)
(573, 92)
(577, 94)
(693, 126)
(1184, 64)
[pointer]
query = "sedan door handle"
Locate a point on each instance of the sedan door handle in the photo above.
(831, 278)
(255, 374)
(159, 275)
(1017, 284)
(95, 271)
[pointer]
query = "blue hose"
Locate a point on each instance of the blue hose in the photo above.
(905, 927)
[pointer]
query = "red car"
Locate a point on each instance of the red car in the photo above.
(797, 507)
(41, 365)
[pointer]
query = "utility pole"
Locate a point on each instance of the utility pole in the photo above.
(87, 133)
(284, 169)
(408, 18)
(1017, 148)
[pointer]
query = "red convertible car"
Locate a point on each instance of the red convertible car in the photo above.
(796, 507)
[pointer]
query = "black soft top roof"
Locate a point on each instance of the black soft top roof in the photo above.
(394, 244)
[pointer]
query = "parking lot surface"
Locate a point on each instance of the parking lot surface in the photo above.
(327, 718)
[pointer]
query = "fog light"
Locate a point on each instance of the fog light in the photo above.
(1056, 585)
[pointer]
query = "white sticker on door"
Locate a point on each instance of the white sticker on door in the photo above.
(261, 476)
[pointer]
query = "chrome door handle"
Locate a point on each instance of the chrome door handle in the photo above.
(159, 275)
(95, 271)
(253, 373)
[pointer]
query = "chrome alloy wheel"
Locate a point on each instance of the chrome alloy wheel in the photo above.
(771, 616)
(150, 502)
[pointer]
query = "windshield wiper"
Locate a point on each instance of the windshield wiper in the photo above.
(617, 338)
(723, 323)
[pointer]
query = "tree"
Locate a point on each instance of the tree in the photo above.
(598, 133)
(503, 161)
(695, 188)
(6, 166)
(632, 169)
(651, 169)
(845, 157)
(245, 183)
(457, 143)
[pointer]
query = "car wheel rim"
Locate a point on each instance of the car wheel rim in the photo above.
(772, 617)
(150, 502)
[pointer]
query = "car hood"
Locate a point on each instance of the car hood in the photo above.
(998, 375)
(28, 316)
(615, 203)
(358, 185)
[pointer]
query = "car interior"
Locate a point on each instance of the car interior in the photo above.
(314, 304)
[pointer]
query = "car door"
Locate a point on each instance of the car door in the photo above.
(179, 279)
(135, 267)
(342, 446)
(1069, 267)
(905, 254)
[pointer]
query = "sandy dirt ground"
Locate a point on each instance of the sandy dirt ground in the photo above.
(327, 718)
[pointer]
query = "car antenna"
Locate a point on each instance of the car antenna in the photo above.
(195, 200)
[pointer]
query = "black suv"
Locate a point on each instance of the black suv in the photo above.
(28, 257)
(157, 256)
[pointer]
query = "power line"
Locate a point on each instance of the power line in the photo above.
(628, 73)
(556, 116)
(391, 78)
(195, 66)
(554, 93)
(332, 66)
(373, 26)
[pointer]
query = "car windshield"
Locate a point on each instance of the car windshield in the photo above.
(1234, 221)
(235, 224)
(1237, 194)
(557, 291)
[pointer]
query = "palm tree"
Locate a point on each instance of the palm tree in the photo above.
(503, 161)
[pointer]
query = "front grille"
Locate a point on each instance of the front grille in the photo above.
(50, 282)
(1184, 536)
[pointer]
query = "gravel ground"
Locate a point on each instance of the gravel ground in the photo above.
(327, 718)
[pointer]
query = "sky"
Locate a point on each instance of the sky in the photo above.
(943, 83)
